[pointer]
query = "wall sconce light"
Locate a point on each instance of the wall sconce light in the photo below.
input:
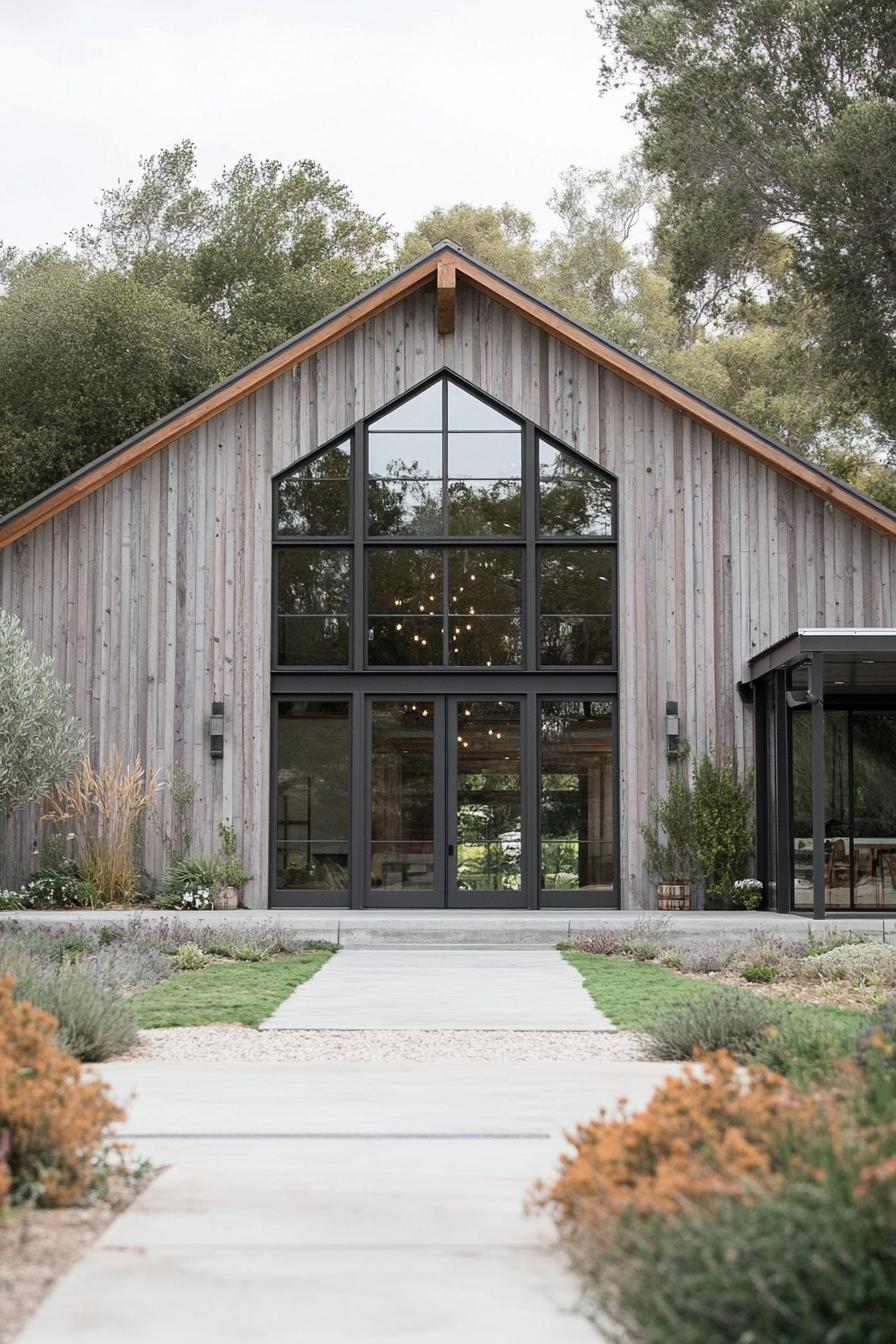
(216, 730)
(672, 725)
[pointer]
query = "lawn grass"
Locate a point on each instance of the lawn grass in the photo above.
(226, 991)
(631, 993)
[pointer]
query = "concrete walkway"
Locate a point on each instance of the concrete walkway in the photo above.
(335, 1204)
(426, 990)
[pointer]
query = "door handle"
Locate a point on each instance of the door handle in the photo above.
(451, 851)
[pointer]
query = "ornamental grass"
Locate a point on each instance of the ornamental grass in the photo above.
(104, 808)
(54, 1124)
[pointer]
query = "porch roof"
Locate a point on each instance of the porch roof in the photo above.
(854, 659)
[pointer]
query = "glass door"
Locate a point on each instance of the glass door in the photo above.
(406, 843)
(860, 809)
(488, 803)
(486, 823)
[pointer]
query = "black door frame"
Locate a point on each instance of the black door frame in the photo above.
(358, 689)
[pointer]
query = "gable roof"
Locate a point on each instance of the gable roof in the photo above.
(444, 256)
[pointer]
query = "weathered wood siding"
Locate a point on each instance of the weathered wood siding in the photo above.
(153, 595)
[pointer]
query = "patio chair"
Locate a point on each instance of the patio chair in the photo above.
(836, 864)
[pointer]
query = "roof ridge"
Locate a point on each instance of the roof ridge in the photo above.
(395, 287)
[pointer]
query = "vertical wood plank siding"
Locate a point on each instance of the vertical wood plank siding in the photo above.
(152, 595)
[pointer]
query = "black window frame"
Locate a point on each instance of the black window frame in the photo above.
(529, 543)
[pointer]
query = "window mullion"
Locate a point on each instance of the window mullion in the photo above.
(530, 596)
(359, 566)
(445, 636)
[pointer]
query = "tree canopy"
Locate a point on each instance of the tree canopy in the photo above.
(173, 288)
(88, 358)
(264, 252)
(773, 115)
(721, 276)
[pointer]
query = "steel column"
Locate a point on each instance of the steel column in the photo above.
(816, 701)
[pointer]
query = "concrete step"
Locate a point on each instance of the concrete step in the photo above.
(477, 928)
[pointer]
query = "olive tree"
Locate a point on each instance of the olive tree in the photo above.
(39, 740)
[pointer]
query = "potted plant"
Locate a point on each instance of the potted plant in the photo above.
(747, 893)
(231, 876)
(669, 842)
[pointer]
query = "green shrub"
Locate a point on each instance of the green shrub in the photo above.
(707, 956)
(126, 967)
(669, 839)
(231, 872)
(203, 873)
(765, 949)
(39, 741)
(93, 1020)
(875, 1054)
(719, 1019)
(189, 957)
(805, 1046)
(251, 952)
(856, 963)
(812, 1265)
(723, 828)
(190, 874)
(759, 974)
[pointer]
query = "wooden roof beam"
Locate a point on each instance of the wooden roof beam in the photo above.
(446, 296)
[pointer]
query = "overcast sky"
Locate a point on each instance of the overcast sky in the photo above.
(410, 104)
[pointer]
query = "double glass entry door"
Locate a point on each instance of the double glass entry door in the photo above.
(446, 802)
(465, 801)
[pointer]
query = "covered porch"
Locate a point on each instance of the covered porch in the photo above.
(825, 738)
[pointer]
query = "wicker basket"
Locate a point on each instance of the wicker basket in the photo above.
(673, 896)
(226, 898)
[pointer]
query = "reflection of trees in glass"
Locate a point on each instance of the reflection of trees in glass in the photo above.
(484, 581)
(313, 501)
(575, 498)
(405, 508)
(874, 769)
(313, 580)
(484, 508)
(577, 580)
(406, 579)
(576, 508)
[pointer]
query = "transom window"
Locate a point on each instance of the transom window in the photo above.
(444, 532)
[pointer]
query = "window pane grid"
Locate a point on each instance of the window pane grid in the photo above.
(445, 504)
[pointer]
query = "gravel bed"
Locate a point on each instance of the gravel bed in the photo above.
(221, 1044)
(38, 1246)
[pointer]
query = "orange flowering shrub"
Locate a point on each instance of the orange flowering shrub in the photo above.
(53, 1123)
(735, 1198)
(716, 1130)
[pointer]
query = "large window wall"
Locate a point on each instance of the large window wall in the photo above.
(860, 809)
(444, 636)
(444, 533)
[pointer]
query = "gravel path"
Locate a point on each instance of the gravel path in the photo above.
(221, 1044)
